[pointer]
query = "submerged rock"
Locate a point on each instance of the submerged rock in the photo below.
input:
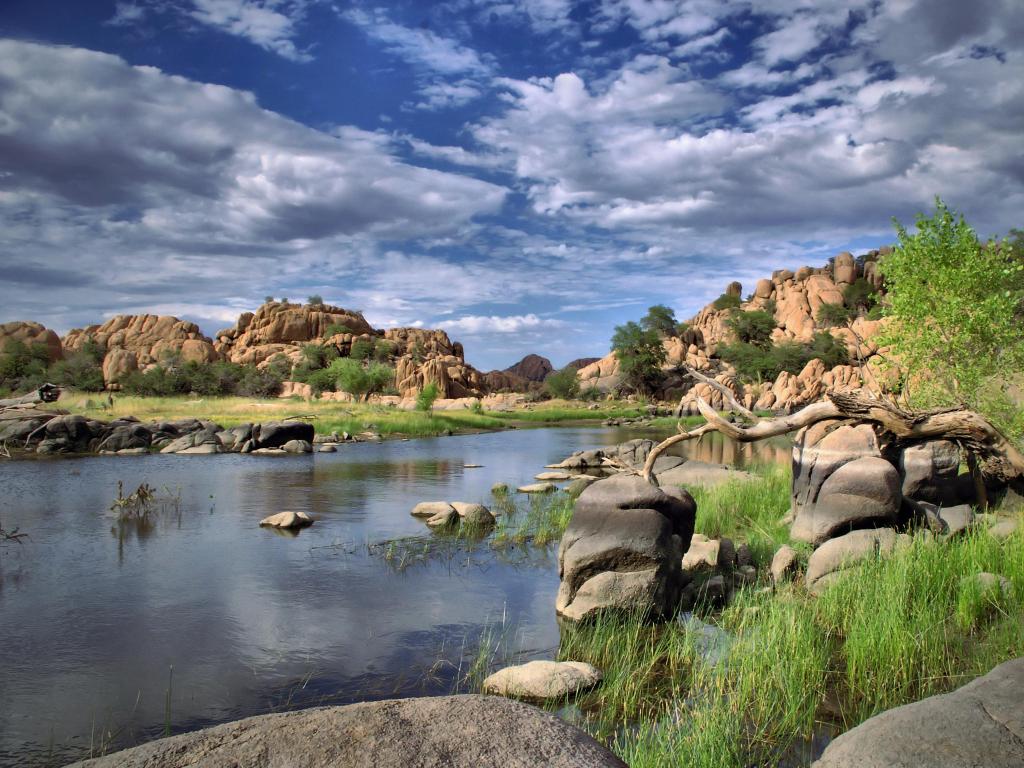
(473, 514)
(540, 680)
(468, 731)
(287, 519)
(980, 724)
(431, 508)
(537, 488)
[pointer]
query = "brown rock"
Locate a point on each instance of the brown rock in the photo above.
(30, 334)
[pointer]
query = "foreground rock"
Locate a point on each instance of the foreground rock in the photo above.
(623, 549)
(981, 724)
(834, 557)
(541, 680)
(288, 520)
(451, 731)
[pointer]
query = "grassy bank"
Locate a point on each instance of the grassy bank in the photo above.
(328, 416)
(753, 684)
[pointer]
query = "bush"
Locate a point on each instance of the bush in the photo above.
(315, 300)
(383, 351)
(753, 327)
(830, 350)
(564, 384)
(317, 356)
(641, 355)
(831, 315)
(209, 379)
(361, 382)
(661, 319)
(323, 380)
(362, 349)
(335, 329)
(726, 301)
(426, 397)
(591, 394)
(23, 367)
(860, 295)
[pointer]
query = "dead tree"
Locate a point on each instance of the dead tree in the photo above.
(998, 459)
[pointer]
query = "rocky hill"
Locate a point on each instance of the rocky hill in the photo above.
(793, 299)
(531, 368)
(29, 334)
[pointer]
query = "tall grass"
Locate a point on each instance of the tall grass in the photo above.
(541, 519)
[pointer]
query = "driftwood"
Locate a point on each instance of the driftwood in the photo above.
(47, 393)
(999, 459)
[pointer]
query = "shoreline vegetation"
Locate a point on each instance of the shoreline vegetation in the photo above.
(355, 418)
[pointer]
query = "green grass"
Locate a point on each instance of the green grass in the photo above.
(540, 519)
(559, 410)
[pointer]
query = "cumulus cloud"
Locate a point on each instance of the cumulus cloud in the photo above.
(474, 325)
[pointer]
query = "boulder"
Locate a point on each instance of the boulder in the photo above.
(1004, 528)
(287, 519)
(541, 680)
(68, 434)
(469, 731)
(702, 553)
(297, 446)
(204, 449)
(928, 471)
(473, 514)
(431, 508)
(785, 562)
(833, 557)
(980, 724)
(579, 484)
(202, 436)
(274, 434)
(553, 476)
(31, 334)
(537, 488)
(623, 548)
(447, 518)
(126, 436)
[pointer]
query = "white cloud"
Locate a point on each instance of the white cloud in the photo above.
(126, 14)
(474, 325)
(270, 24)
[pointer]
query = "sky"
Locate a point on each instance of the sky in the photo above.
(524, 174)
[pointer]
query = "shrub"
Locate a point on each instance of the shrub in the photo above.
(426, 397)
(641, 355)
(564, 384)
(362, 349)
(860, 295)
(726, 301)
(23, 366)
(315, 300)
(753, 327)
(78, 370)
(317, 356)
(384, 351)
(830, 315)
(661, 319)
(323, 380)
(830, 350)
(335, 329)
(591, 394)
(361, 382)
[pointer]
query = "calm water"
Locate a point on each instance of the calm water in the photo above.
(94, 614)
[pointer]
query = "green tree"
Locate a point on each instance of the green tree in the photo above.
(661, 319)
(361, 382)
(362, 349)
(955, 307)
(753, 327)
(832, 315)
(564, 384)
(316, 300)
(860, 295)
(641, 355)
(23, 366)
(425, 397)
(726, 301)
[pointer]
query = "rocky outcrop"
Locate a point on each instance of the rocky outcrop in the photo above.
(623, 549)
(468, 731)
(581, 362)
(980, 724)
(531, 368)
(31, 334)
(136, 342)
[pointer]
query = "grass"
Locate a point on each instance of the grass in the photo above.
(893, 631)
(540, 520)
(555, 411)
(330, 416)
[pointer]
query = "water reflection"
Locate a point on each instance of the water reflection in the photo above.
(96, 611)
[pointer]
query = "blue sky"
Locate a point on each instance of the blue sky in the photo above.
(525, 174)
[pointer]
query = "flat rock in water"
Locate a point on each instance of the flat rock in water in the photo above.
(537, 488)
(445, 519)
(431, 508)
(269, 452)
(327, 448)
(472, 466)
(980, 724)
(287, 520)
(541, 680)
(200, 450)
(468, 731)
(553, 476)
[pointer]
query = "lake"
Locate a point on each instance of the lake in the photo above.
(113, 634)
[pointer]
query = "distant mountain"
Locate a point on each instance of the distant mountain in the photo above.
(582, 362)
(532, 368)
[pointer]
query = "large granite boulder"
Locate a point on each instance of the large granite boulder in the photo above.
(978, 725)
(623, 549)
(451, 731)
(841, 482)
(834, 557)
(274, 434)
(542, 680)
(68, 434)
(30, 334)
(929, 470)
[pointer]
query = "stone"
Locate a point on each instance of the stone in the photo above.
(274, 434)
(287, 519)
(448, 518)
(744, 555)
(980, 724)
(957, 520)
(537, 488)
(553, 476)
(133, 452)
(327, 448)
(203, 449)
(928, 471)
(472, 466)
(714, 591)
(993, 584)
(623, 549)
(785, 563)
(702, 553)
(542, 680)
(267, 452)
(195, 438)
(297, 446)
(125, 436)
(726, 554)
(579, 484)
(499, 489)
(835, 556)
(744, 576)
(473, 514)
(431, 508)
(468, 731)
(1004, 528)
(701, 473)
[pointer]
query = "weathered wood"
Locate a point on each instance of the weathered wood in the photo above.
(999, 459)
(47, 393)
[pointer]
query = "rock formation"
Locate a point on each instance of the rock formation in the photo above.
(531, 368)
(134, 342)
(30, 334)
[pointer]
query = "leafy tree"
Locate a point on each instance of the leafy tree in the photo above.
(268, 299)
(384, 351)
(426, 397)
(641, 356)
(564, 383)
(860, 295)
(753, 327)
(661, 319)
(316, 300)
(317, 356)
(361, 382)
(832, 315)
(830, 350)
(955, 307)
(362, 349)
(23, 366)
(726, 301)
(335, 329)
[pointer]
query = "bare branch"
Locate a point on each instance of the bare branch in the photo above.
(727, 393)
